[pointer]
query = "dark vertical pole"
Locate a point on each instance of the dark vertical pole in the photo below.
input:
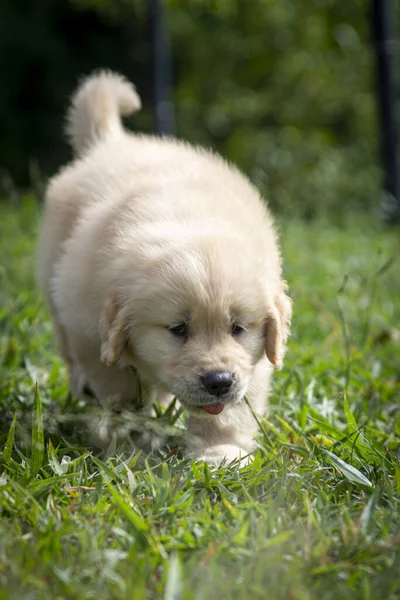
(165, 115)
(382, 29)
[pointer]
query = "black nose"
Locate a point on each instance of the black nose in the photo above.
(218, 384)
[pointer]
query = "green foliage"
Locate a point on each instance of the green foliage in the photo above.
(284, 89)
(37, 451)
(315, 515)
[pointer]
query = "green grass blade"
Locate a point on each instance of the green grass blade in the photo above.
(37, 447)
(368, 514)
(274, 430)
(54, 463)
(174, 585)
(351, 473)
(351, 422)
(8, 448)
(136, 520)
(107, 472)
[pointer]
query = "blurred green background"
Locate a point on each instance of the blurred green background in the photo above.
(283, 88)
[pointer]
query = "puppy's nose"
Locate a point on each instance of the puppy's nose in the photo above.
(218, 384)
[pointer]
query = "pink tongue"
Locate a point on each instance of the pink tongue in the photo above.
(213, 409)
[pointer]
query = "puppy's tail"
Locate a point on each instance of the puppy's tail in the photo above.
(96, 109)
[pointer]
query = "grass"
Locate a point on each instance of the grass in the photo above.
(317, 513)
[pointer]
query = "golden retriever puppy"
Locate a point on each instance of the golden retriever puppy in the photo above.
(161, 269)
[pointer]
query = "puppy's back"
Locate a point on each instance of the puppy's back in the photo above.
(148, 171)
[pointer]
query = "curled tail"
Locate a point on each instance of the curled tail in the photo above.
(96, 108)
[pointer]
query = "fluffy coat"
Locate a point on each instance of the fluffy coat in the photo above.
(160, 265)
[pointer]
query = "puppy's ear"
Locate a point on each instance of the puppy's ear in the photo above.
(277, 327)
(113, 325)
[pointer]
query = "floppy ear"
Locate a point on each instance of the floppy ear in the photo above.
(113, 323)
(277, 327)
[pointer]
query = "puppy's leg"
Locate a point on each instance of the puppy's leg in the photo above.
(112, 386)
(229, 436)
(76, 376)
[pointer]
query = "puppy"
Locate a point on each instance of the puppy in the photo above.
(162, 273)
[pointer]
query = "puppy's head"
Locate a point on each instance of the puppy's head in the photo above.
(195, 322)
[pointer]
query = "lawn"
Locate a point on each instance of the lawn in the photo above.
(315, 515)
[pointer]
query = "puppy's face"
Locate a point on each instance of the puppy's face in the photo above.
(196, 324)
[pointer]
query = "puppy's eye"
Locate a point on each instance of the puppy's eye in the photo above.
(180, 330)
(236, 329)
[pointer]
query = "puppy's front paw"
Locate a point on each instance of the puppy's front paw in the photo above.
(225, 453)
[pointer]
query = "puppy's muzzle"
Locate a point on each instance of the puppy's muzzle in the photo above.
(218, 383)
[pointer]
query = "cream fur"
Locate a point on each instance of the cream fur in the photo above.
(141, 233)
